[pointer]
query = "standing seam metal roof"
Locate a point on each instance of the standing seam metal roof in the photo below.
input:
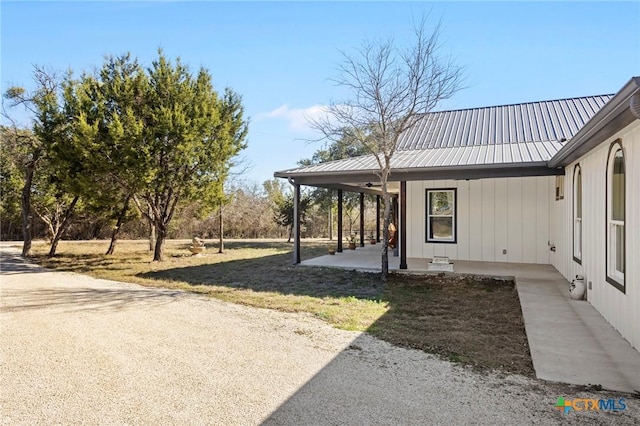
(508, 134)
(505, 124)
(497, 154)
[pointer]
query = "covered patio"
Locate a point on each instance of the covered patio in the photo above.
(569, 341)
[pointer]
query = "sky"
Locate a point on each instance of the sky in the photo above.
(281, 56)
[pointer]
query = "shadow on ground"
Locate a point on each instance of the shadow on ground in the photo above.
(475, 321)
(12, 263)
(276, 274)
(70, 300)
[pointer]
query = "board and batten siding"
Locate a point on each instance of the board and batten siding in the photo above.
(622, 310)
(493, 215)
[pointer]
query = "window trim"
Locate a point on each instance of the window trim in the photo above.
(614, 148)
(577, 171)
(455, 216)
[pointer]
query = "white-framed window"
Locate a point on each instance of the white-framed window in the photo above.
(441, 215)
(577, 214)
(616, 216)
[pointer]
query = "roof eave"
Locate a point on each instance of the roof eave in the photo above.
(613, 116)
(477, 171)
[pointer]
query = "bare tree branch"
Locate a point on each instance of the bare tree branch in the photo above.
(390, 89)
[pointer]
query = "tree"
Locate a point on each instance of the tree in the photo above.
(284, 212)
(190, 138)
(108, 115)
(158, 137)
(42, 145)
(15, 166)
(390, 87)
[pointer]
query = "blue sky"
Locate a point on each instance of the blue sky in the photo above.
(280, 56)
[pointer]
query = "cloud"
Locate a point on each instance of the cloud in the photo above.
(298, 119)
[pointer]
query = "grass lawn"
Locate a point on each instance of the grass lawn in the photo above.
(477, 322)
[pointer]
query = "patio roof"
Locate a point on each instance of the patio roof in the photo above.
(498, 141)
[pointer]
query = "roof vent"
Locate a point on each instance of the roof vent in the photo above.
(635, 105)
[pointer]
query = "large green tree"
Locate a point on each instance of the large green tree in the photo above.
(166, 134)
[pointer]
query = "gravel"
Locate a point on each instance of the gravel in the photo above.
(78, 350)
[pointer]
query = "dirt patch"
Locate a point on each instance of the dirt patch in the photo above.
(473, 320)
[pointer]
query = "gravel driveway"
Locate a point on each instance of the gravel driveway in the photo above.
(77, 350)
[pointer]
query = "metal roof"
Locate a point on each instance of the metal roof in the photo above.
(529, 122)
(501, 137)
(460, 156)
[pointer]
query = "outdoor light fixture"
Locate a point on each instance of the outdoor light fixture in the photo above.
(369, 185)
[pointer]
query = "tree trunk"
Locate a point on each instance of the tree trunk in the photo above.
(330, 223)
(290, 233)
(385, 231)
(161, 235)
(152, 235)
(63, 227)
(220, 230)
(26, 210)
(116, 230)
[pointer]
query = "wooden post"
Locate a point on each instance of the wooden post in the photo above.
(377, 218)
(362, 219)
(339, 250)
(403, 225)
(296, 224)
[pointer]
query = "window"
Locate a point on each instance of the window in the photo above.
(441, 215)
(577, 214)
(615, 216)
(559, 188)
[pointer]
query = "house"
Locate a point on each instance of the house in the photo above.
(554, 182)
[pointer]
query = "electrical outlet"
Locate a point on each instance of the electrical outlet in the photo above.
(504, 251)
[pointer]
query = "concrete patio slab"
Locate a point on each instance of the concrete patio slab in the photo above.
(569, 340)
(367, 258)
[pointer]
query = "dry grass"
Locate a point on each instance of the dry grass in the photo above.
(465, 319)
(472, 321)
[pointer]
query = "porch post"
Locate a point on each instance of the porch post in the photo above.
(339, 237)
(394, 217)
(377, 218)
(362, 219)
(296, 224)
(403, 224)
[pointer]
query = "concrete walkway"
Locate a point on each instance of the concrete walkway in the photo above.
(569, 340)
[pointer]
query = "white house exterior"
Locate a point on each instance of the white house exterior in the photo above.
(591, 251)
(555, 182)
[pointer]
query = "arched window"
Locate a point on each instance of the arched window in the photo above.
(577, 214)
(615, 216)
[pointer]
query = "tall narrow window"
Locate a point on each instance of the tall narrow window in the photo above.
(577, 214)
(615, 216)
(441, 215)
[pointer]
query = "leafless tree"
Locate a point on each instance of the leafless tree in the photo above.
(390, 87)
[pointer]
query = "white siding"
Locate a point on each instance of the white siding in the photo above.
(622, 310)
(492, 215)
